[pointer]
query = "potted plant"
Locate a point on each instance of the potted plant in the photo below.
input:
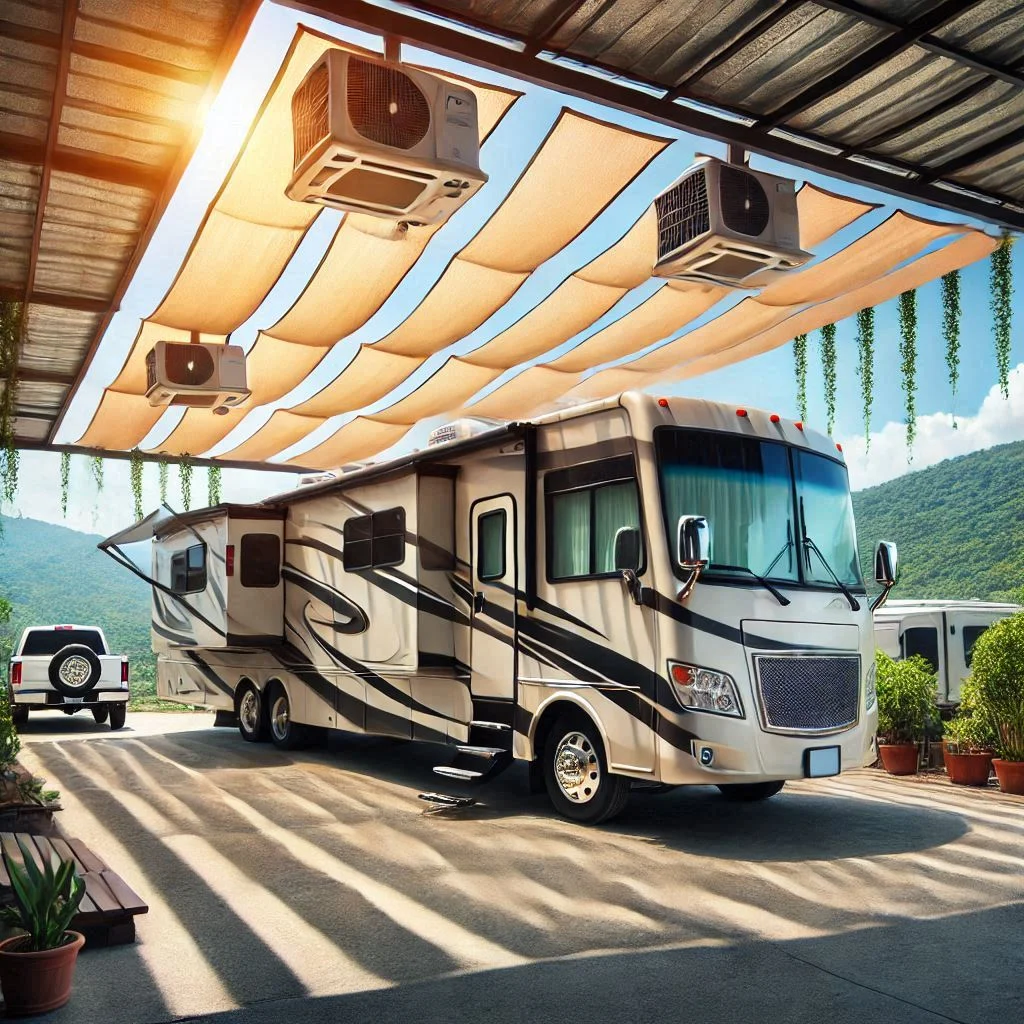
(906, 702)
(37, 967)
(997, 670)
(968, 741)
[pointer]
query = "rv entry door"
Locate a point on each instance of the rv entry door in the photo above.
(493, 614)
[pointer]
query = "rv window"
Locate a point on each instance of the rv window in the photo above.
(261, 560)
(970, 635)
(188, 570)
(374, 541)
(490, 548)
(922, 640)
(582, 526)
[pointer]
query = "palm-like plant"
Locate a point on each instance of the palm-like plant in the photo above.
(46, 899)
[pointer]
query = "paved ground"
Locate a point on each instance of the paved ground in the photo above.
(312, 887)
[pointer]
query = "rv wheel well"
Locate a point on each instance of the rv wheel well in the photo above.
(243, 684)
(549, 716)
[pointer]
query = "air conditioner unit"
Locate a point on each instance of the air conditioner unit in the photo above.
(379, 138)
(197, 375)
(728, 225)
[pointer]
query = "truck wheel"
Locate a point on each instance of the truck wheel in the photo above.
(747, 792)
(74, 670)
(117, 715)
(576, 772)
(284, 733)
(19, 714)
(252, 723)
(100, 714)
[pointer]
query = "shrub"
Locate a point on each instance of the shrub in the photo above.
(10, 744)
(997, 673)
(46, 899)
(970, 730)
(906, 698)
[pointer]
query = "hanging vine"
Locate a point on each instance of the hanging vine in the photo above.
(65, 482)
(908, 363)
(828, 371)
(10, 337)
(866, 367)
(213, 485)
(96, 465)
(163, 481)
(185, 481)
(136, 477)
(951, 331)
(1001, 286)
(800, 357)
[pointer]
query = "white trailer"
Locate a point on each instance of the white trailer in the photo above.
(664, 590)
(942, 632)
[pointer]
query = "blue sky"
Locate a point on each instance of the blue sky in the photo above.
(766, 381)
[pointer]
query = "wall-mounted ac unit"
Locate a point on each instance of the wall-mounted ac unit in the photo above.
(379, 138)
(728, 225)
(196, 375)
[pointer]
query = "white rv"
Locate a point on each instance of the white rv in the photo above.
(663, 590)
(942, 632)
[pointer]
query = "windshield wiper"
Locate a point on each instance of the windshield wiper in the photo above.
(808, 543)
(780, 597)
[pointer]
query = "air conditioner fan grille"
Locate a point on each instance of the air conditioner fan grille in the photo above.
(310, 112)
(744, 203)
(683, 213)
(385, 105)
(188, 365)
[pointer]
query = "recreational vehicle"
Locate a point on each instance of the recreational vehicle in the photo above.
(663, 590)
(942, 632)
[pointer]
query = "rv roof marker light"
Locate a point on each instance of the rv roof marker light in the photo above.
(774, 417)
(839, 447)
(663, 402)
(798, 425)
(741, 412)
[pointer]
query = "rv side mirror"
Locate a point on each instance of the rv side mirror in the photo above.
(886, 563)
(627, 548)
(693, 542)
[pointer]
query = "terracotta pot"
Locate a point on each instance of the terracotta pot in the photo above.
(967, 769)
(899, 758)
(37, 982)
(1010, 775)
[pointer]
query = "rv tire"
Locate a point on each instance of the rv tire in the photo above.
(573, 757)
(118, 713)
(252, 719)
(747, 792)
(284, 733)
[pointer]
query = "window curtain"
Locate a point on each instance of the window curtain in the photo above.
(570, 542)
(615, 506)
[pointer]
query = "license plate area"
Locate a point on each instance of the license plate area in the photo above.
(821, 762)
(73, 700)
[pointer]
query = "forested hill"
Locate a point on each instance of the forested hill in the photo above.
(959, 526)
(51, 574)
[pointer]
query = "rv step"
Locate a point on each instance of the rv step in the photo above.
(480, 751)
(447, 801)
(462, 774)
(497, 726)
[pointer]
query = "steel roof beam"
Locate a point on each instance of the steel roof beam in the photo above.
(77, 302)
(26, 375)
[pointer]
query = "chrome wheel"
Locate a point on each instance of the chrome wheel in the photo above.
(577, 769)
(249, 712)
(279, 718)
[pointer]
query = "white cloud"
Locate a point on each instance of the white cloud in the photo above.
(998, 420)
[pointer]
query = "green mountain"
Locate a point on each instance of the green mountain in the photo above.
(51, 574)
(959, 526)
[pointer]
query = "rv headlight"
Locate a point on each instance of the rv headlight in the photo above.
(704, 689)
(870, 693)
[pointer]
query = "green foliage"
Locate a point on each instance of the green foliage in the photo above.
(1000, 302)
(46, 899)
(213, 485)
(163, 481)
(997, 672)
(65, 482)
(969, 731)
(185, 481)
(828, 370)
(800, 357)
(10, 343)
(951, 330)
(866, 366)
(136, 478)
(959, 526)
(96, 467)
(906, 698)
(908, 363)
(10, 743)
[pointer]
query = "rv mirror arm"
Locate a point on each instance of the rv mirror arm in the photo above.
(691, 582)
(633, 585)
(882, 597)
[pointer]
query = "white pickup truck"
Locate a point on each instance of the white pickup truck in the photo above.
(68, 668)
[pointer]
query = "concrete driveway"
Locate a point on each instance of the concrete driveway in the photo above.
(312, 887)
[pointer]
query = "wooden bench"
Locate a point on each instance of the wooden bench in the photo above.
(107, 913)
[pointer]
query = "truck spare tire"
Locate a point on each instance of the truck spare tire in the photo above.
(74, 670)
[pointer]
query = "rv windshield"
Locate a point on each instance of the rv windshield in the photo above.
(750, 492)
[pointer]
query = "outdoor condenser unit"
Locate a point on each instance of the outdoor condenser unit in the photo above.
(197, 375)
(728, 225)
(371, 136)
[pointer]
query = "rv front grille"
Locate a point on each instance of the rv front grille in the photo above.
(683, 213)
(744, 204)
(310, 112)
(385, 105)
(808, 693)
